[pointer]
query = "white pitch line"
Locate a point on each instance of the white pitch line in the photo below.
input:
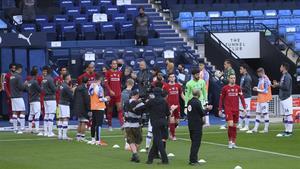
(246, 148)
(183, 139)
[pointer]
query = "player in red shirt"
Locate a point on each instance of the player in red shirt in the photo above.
(174, 93)
(229, 99)
(12, 69)
(89, 73)
(113, 80)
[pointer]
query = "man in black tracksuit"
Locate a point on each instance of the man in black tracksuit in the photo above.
(195, 123)
(158, 112)
(81, 103)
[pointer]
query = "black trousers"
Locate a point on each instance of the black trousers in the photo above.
(141, 40)
(158, 132)
(196, 136)
(97, 121)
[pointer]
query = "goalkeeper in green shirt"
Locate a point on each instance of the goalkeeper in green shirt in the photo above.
(196, 83)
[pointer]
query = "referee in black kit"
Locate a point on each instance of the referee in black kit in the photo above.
(195, 115)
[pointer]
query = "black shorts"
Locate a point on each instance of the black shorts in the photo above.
(134, 135)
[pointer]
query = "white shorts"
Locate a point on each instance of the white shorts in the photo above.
(262, 107)
(248, 102)
(50, 107)
(64, 111)
(286, 106)
(18, 104)
(35, 107)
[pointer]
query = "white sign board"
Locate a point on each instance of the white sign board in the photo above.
(246, 45)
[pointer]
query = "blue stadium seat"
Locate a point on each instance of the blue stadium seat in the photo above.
(131, 11)
(109, 55)
(284, 21)
(257, 13)
(160, 62)
(112, 9)
(50, 28)
(200, 15)
(213, 14)
(186, 24)
(60, 19)
(90, 10)
(69, 31)
(228, 14)
(28, 28)
(296, 12)
(150, 56)
(127, 30)
(66, 3)
(295, 21)
(242, 13)
(129, 55)
(99, 64)
(41, 19)
(84, 3)
(270, 23)
(185, 16)
(284, 13)
(297, 46)
(105, 2)
(88, 31)
(80, 19)
(73, 11)
(119, 17)
(297, 36)
(270, 13)
(108, 30)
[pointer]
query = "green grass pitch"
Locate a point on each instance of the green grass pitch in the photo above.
(257, 151)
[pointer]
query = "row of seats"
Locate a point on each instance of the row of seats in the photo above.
(240, 13)
(284, 20)
(85, 30)
(222, 1)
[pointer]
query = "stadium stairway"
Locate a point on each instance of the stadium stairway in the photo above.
(168, 31)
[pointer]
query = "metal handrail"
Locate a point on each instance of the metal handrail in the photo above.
(289, 47)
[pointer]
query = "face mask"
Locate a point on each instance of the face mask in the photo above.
(120, 65)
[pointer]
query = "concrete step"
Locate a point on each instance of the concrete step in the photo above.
(168, 35)
(162, 27)
(175, 43)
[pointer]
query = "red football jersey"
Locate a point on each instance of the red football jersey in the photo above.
(6, 85)
(230, 96)
(91, 78)
(113, 81)
(174, 93)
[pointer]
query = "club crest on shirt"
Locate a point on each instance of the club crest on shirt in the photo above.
(189, 108)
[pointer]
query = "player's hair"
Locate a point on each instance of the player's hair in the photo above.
(113, 61)
(97, 76)
(244, 66)
(63, 67)
(46, 68)
(260, 70)
(11, 65)
(195, 71)
(228, 62)
(19, 66)
(182, 65)
(34, 71)
(141, 7)
(85, 80)
(286, 65)
(172, 73)
(130, 82)
(65, 76)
